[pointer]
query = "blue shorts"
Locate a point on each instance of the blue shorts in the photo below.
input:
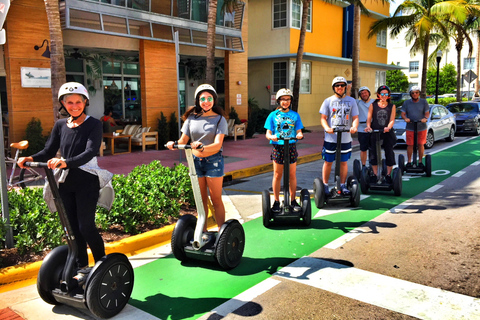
(329, 149)
(210, 167)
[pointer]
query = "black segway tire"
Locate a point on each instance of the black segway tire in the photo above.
(401, 162)
(109, 285)
(266, 206)
(182, 235)
(50, 273)
(357, 169)
(352, 185)
(318, 193)
(428, 165)
(230, 245)
(306, 207)
(364, 181)
(397, 181)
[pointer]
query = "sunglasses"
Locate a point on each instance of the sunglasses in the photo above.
(384, 94)
(286, 100)
(209, 99)
(340, 85)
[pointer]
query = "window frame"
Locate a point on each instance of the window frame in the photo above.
(277, 85)
(298, 3)
(382, 39)
(284, 22)
(412, 67)
(470, 62)
(309, 79)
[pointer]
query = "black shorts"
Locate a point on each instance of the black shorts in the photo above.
(277, 153)
(364, 140)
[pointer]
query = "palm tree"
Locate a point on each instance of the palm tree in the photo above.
(301, 47)
(423, 19)
(57, 59)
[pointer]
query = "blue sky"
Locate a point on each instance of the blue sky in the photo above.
(394, 5)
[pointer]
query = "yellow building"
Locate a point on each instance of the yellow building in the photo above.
(273, 44)
(125, 53)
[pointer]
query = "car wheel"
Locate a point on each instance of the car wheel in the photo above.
(451, 136)
(430, 140)
(477, 129)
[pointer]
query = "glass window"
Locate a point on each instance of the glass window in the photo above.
(199, 10)
(73, 65)
(305, 76)
(413, 66)
(279, 13)
(297, 9)
(279, 75)
(468, 63)
(382, 39)
(380, 78)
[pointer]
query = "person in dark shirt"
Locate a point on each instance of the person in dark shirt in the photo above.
(79, 138)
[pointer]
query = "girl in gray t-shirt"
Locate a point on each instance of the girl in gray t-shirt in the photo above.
(205, 126)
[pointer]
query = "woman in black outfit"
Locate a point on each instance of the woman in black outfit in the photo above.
(381, 116)
(79, 138)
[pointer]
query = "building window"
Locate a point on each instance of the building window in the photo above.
(382, 39)
(279, 75)
(75, 70)
(468, 63)
(279, 13)
(297, 9)
(305, 76)
(380, 78)
(413, 66)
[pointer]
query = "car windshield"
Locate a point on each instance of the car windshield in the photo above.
(462, 107)
(398, 113)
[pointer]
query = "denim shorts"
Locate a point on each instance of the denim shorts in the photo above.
(210, 167)
(329, 150)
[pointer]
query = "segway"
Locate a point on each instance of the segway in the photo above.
(108, 285)
(415, 169)
(225, 247)
(381, 184)
(286, 210)
(336, 195)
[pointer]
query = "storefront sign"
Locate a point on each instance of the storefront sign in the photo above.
(36, 77)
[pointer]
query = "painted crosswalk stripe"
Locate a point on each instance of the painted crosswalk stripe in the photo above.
(434, 188)
(390, 293)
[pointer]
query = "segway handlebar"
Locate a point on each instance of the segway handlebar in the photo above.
(341, 129)
(36, 164)
(183, 146)
(288, 139)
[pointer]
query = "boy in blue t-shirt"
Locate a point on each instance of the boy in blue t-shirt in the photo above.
(284, 123)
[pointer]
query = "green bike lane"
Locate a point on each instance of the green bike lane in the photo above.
(169, 289)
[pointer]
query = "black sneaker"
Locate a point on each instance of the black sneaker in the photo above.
(295, 206)
(344, 189)
(276, 207)
(373, 178)
(409, 165)
(421, 166)
(388, 179)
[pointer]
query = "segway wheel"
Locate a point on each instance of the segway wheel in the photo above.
(357, 169)
(182, 235)
(266, 208)
(306, 207)
(397, 181)
(319, 193)
(109, 286)
(401, 162)
(352, 185)
(231, 245)
(50, 273)
(364, 181)
(428, 165)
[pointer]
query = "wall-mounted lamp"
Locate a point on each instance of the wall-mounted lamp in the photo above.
(239, 82)
(46, 54)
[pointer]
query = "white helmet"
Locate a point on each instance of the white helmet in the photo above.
(205, 87)
(72, 88)
(339, 79)
(363, 88)
(414, 88)
(284, 92)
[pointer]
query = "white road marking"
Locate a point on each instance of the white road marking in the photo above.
(244, 297)
(394, 294)
(434, 188)
(459, 174)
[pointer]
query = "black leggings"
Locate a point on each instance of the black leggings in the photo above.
(389, 141)
(79, 193)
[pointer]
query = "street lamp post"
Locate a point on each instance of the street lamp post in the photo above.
(439, 57)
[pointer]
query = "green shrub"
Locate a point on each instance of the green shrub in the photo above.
(173, 128)
(163, 130)
(149, 195)
(33, 134)
(234, 115)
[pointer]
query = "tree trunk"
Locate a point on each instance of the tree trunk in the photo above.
(356, 50)
(57, 59)
(423, 94)
(301, 48)
(458, 47)
(477, 64)
(212, 19)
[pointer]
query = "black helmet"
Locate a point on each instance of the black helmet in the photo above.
(384, 87)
